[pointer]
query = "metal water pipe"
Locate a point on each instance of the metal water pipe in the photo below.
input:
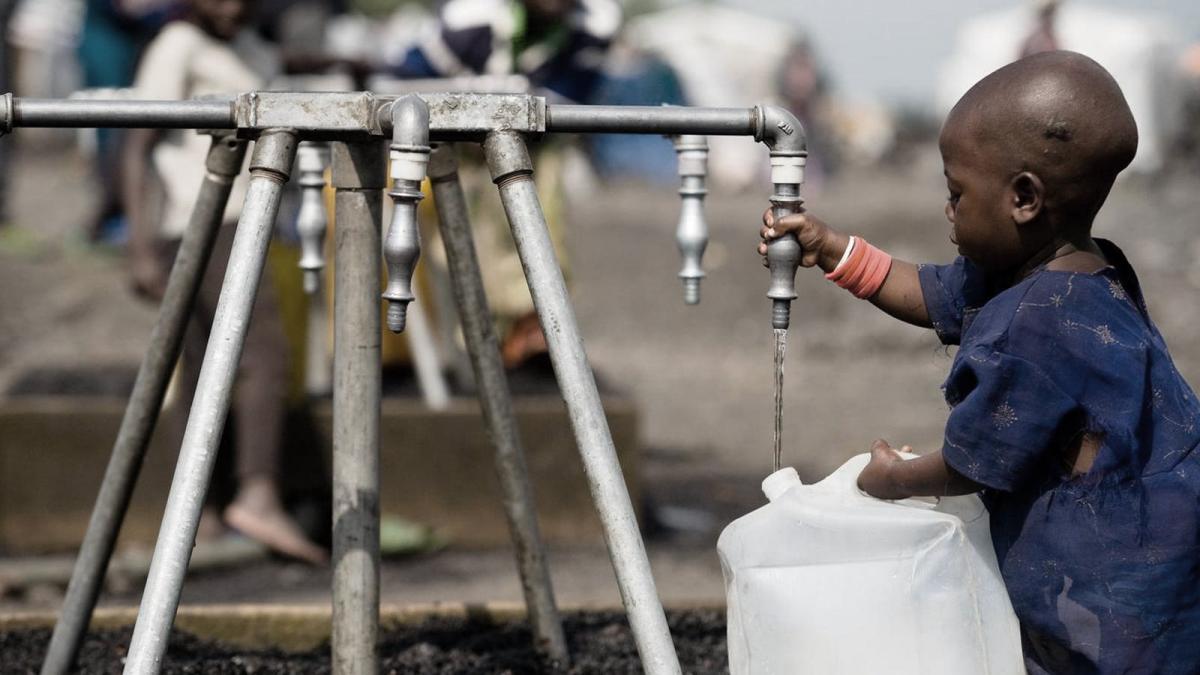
(409, 162)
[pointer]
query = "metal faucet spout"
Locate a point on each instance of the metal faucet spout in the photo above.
(784, 136)
(409, 162)
(311, 222)
(691, 235)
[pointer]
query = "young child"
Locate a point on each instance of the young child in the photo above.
(1068, 416)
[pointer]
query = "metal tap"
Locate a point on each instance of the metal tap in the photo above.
(311, 222)
(784, 136)
(691, 235)
(409, 161)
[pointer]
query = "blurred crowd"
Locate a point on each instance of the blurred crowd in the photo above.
(578, 50)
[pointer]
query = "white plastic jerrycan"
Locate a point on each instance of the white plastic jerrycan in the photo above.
(826, 579)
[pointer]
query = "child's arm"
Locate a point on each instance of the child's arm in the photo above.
(900, 295)
(889, 476)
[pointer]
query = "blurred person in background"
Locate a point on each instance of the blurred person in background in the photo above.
(210, 52)
(113, 36)
(1044, 37)
(557, 45)
(804, 90)
(1190, 68)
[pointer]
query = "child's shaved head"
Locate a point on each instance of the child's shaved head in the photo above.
(1058, 115)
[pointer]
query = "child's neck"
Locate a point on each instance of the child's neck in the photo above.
(1076, 253)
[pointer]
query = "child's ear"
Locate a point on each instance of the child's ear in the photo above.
(1028, 195)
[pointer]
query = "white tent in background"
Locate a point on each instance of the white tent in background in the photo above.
(1138, 49)
(723, 57)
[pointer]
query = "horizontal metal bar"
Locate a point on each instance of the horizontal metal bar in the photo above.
(452, 116)
(666, 120)
(83, 113)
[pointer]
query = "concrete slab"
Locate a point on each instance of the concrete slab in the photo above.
(436, 469)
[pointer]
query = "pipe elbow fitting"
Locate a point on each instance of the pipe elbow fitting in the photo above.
(410, 121)
(409, 151)
(780, 131)
(783, 134)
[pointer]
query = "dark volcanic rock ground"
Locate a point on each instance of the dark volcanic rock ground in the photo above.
(599, 643)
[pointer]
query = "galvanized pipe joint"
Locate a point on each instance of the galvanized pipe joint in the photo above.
(311, 221)
(409, 162)
(691, 234)
(784, 136)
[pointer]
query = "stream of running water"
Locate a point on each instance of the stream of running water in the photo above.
(780, 351)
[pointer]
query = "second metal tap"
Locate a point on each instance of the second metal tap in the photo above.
(784, 136)
(691, 235)
(409, 162)
(311, 222)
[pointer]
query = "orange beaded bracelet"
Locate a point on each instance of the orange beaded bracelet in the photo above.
(863, 271)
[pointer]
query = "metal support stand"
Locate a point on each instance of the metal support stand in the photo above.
(141, 413)
(359, 176)
(483, 346)
(352, 120)
(269, 167)
(512, 171)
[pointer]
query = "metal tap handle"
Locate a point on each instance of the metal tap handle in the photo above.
(785, 138)
(691, 234)
(311, 221)
(401, 251)
(783, 256)
(409, 164)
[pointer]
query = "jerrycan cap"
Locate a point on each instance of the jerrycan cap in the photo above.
(781, 481)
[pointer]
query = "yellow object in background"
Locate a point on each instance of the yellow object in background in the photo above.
(504, 279)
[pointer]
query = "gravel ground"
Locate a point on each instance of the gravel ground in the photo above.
(599, 644)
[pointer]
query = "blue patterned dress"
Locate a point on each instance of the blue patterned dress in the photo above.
(1103, 568)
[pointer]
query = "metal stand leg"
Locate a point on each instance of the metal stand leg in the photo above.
(484, 349)
(269, 167)
(359, 176)
(508, 160)
(224, 162)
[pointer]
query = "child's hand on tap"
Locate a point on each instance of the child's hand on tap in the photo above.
(822, 245)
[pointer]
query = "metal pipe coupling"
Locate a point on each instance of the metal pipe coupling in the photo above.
(311, 220)
(784, 136)
(691, 234)
(6, 114)
(409, 161)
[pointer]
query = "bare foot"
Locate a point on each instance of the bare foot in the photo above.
(258, 513)
(525, 340)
